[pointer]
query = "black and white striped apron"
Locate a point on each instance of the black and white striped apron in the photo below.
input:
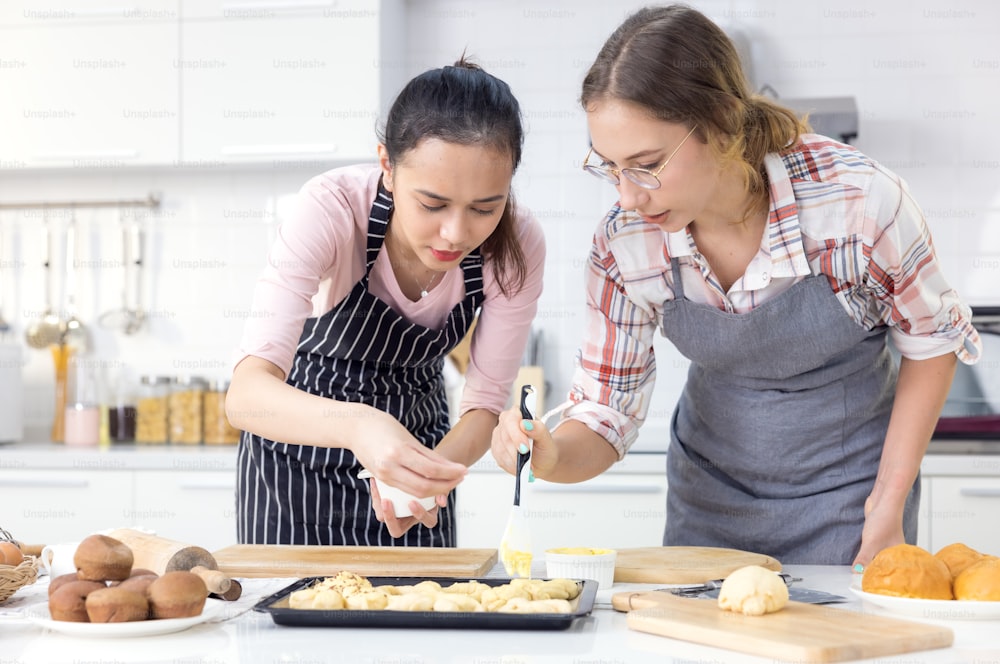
(361, 351)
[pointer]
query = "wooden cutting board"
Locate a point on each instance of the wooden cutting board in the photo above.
(799, 632)
(684, 564)
(279, 560)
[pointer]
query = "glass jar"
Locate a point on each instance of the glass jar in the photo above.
(82, 422)
(218, 430)
(122, 414)
(151, 409)
(185, 408)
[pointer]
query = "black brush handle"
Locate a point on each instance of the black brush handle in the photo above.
(522, 457)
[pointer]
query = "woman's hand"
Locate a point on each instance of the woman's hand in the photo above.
(397, 526)
(394, 456)
(883, 528)
(512, 432)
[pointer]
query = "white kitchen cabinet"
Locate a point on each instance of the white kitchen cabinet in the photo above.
(194, 507)
(923, 515)
(70, 12)
(967, 510)
(89, 95)
(53, 506)
(616, 511)
(255, 10)
(289, 87)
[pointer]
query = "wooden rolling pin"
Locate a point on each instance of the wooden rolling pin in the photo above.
(162, 555)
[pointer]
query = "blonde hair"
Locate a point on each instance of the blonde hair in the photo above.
(681, 67)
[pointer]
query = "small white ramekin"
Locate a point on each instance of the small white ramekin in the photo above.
(581, 563)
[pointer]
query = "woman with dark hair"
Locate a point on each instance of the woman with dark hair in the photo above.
(375, 276)
(778, 262)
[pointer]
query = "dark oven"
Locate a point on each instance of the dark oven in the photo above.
(972, 411)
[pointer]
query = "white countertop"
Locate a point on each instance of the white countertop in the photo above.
(243, 635)
(223, 458)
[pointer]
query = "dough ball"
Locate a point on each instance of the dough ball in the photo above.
(980, 581)
(905, 570)
(410, 602)
(957, 557)
(68, 603)
(753, 591)
(373, 600)
(456, 602)
(102, 558)
(177, 595)
(114, 605)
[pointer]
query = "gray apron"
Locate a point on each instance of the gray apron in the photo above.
(776, 439)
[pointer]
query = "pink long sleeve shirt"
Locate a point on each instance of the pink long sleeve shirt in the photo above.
(319, 255)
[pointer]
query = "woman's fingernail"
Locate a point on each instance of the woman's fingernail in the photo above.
(522, 448)
(859, 568)
(531, 475)
(528, 425)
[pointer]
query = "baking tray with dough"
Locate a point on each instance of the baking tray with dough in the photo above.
(277, 605)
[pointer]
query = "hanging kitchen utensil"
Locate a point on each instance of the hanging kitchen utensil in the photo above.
(48, 329)
(76, 334)
(136, 315)
(515, 545)
(128, 318)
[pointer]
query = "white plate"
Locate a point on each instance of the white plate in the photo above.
(213, 607)
(933, 609)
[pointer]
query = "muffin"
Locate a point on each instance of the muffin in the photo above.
(177, 595)
(102, 558)
(905, 570)
(114, 605)
(958, 557)
(979, 581)
(58, 582)
(68, 603)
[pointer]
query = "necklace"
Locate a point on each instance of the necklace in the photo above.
(424, 290)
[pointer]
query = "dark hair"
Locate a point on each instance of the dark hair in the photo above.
(464, 104)
(681, 67)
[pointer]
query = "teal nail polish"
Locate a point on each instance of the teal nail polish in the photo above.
(859, 568)
(528, 425)
(531, 475)
(522, 448)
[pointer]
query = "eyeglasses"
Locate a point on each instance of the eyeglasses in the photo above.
(643, 177)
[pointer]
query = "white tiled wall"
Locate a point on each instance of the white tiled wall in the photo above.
(925, 74)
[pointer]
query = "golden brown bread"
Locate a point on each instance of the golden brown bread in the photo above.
(177, 595)
(957, 557)
(68, 603)
(979, 581)
(118, 604)
(56, 583)
(139, 584)
(102, 558)
(905, 570)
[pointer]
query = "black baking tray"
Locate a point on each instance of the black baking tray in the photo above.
(282, 614)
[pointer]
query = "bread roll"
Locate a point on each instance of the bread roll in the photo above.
(177, 595)
(979, 581)
(139, 584)
(56, 583)
(957, 557)
(68, 603)
(102, 558)
(905, 570)
(114, 605)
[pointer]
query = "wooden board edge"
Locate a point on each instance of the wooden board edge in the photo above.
(646, 621)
